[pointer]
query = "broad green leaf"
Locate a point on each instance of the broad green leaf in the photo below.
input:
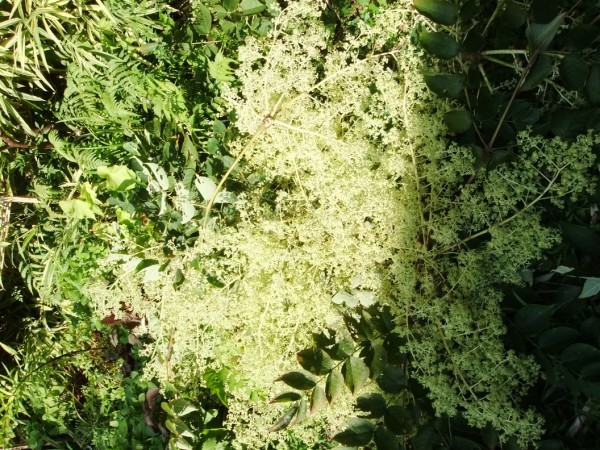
(392, 379)
(458, 121)
(231, 5)
(540, 35)
(592, 85)
(591, 287)
(582, 36)
(334, 385)
(439, 44)
(539, 72)
(287, 397)
(461, 443)
(568, 122)
(77, 209)
(385, 439)
(204, 19)
(578, 354)
(118, 178)
(285, 419)
(445, 84)
(250, 7)
(573, 72)
(182, 407)
(302, 411)
(512, 15)
(554, 339)
(315, 361)
(398, 419)
(356, 374)
(591, 372)
(427, 436)
(318, 400)
(358, 432)
(582, 238)
(440, 11)
(302, 380)
(531, 319)
(374, 404)
(590, 328)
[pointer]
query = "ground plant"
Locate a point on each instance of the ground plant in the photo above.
(300, 224)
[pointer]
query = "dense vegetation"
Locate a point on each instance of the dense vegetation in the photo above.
(300, 224)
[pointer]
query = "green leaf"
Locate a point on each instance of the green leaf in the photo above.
(445, 84)
(568, 122)
(182, 407)
(458, 121)
(334, 385)
(539, 72)
(440, 11)
(231, 5)
(582, 238)
(250, 7)
(315, 360)
(385, 439)
(554, 339)
(591, 287)
(578, 354)
(118, 178)
(358, 432)
(318, 400)
(178, 278)
(512, 15)
(592, 85)
(373, 403)
(573, 72)
(398, 419)
(439, 44)
(591, 372)
(540, 35)
(204, 22)
(392, 379)
(285, 419)
(531, 319)
(461, 443)
(302, 411)
(427, 436)
(286, 397)
(77, 209)
(298, 380)
(356, 374)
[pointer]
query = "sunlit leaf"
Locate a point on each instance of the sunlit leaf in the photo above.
(315, 360)
(356, 374)
(334, 386)
(440, 11)
(318, 400)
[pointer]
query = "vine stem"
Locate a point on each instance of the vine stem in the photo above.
(508, 219)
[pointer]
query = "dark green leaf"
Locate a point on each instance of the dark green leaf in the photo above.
(458, 121)
(204, 19)
(591, 372)
(145, 263)
(299, 380)
(551, 444)
(315, 360)
(427, 436)
(358, 432)
(573, 72)
(392, 379)
(538, 73)
(374, 404)
(490, 436)
(540, 35)
(578, 354)
(592, 85)
(343, 348)
(250, 7)
(439, 44)
(500, 157)
(178, 278)
(440, 11)
(590, 328)
(334, 385)
(512, 15)
(287, 397)
(356, 374)
(582, 36)
(531, 319)
(445, 84)
(302, 411)
(318, 400)
(285, 419)
(582, 238)
(568, 122)
(398, 419)
(385, 439)
(554, 339)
